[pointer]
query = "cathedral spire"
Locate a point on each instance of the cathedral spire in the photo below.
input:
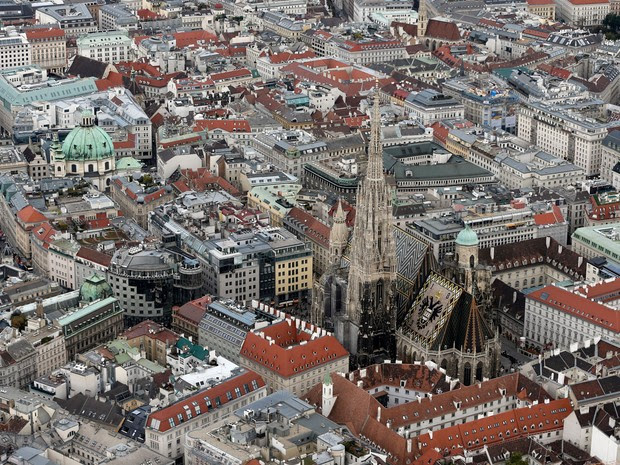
(372, 256)
(375, 152)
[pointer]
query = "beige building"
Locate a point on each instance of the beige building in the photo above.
(134, 202)
(293, 356)
(18, 225)
(543, 8)
(48, 48)
(152, 338)
(49, 344)
(573, 135)
(582, 13)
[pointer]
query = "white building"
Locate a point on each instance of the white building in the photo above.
(582, 13)
(561, 317)
(107, 47)
(429, 106)
(74, 19)
(565, 132)
(200, 410)
(14, 50)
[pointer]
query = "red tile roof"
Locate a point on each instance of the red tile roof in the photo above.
(445, 30)
(185, 39)
(602, 292)
(358, 409)
(228, 125)
(202, 179)
(30, 214)
(314, 229)
(289, 351)
(528, 421)
(194, 310)
(204, 401)
(578, 306)
(45, 233)
(237, 73)
(286, 57)
(94, 256)
(47, 33)
(153, 331)
(548, 218)
(145, 14)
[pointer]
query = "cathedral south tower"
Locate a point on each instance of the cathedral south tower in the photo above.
(368, 328)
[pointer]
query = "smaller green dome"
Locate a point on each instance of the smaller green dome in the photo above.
(128, 163)
(94, 288)
(467, 237)
(87, 141)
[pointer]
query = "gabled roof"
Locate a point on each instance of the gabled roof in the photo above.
(30, 214)
(87, 67)
(194, 310)
(530, 252)
(446, 30)
(313, 228)
(578, 306)
(288, 350)
(206, 400)
(548, 218)
(94, 256)
(476, 434)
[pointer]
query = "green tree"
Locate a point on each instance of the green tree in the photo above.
(18, 321)
(516, 458)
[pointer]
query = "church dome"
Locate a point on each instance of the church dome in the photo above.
(467, 237)
(87, 141)
(94, 288)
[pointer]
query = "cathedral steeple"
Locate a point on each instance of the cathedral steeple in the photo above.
(370, 309)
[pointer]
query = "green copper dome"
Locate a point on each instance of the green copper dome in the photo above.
(467, 237)
(128, 163)
(94, 288)
(87, 141)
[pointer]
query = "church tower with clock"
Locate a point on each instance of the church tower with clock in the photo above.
(367, 329)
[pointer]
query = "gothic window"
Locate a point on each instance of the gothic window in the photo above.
(471, 261)
(379, 291)
(467, 374)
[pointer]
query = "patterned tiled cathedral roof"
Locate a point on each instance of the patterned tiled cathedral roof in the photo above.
(444, 316)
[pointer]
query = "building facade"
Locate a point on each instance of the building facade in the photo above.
(557, 318)
(48, 48)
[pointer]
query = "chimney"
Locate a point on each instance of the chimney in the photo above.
(548, 241)
(514, 296)
(559, 249)
(409, 446)
(430, 433)
(379, 414)
(492, 253)
(579, 260)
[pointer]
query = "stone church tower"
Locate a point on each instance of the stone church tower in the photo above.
(367, 330)
(422, 19)
(338, 236)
